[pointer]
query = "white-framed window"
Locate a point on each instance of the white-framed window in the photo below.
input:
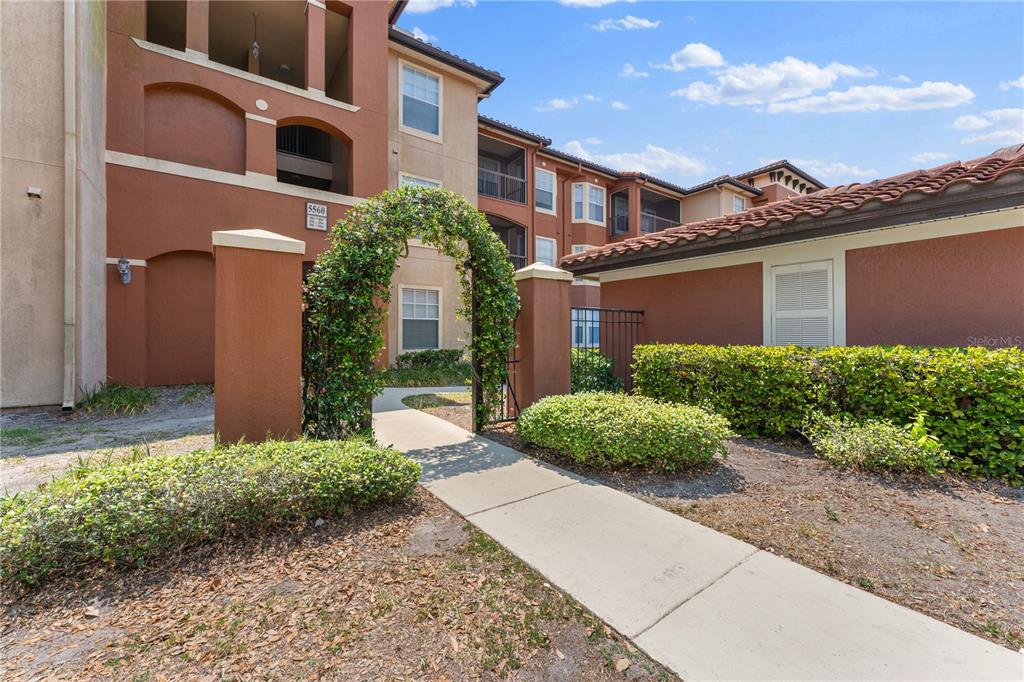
(545, 249)
(802, 304)
(588, 202)
(738, 203)
(545, 191)
(586, 328)
(421, 318)
(420, 105)
(417, 181)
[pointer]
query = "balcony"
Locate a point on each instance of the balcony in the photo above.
(658, 212)
(513, 236)
(501, 186)
(654, 223)
(501, 170)
(620, 224)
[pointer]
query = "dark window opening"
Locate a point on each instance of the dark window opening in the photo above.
(165, 23)
(309, 157)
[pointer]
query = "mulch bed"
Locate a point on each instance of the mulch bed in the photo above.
(402, 592)
(948, 547)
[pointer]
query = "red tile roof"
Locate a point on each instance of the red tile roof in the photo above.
(832, 200)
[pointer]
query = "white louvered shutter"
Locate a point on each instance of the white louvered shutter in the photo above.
(802, 304)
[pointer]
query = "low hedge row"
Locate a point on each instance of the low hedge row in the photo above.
(431, 358)
(973, 398)
(128, 511)
(592, 370)
(608, 430)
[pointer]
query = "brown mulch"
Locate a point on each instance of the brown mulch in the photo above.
(947, 547)
(409, 591)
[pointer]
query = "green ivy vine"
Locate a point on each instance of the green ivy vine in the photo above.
(348, 290)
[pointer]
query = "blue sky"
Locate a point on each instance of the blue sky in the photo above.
(690, 90)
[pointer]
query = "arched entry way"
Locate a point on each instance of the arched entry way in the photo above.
(179, 318)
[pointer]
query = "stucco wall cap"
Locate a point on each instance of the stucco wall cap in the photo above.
(260, 240)
(542, 271)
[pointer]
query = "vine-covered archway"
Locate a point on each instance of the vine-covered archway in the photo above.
(349, 287)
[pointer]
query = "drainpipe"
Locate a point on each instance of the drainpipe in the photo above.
(70, 204)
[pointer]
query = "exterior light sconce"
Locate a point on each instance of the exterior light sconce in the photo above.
(34, 192)
(124, 269)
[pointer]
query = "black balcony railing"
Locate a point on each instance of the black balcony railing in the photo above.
(652, 223)
(501, 186)
(620, 224)
(518, 262)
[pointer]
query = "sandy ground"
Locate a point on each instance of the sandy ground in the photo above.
(174, 424)
(949, 547)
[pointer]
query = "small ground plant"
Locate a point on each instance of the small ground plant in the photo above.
(610, 430)
(130, 510)
(118, 399)
(877, 445)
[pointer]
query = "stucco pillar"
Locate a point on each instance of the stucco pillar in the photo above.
(543, 332)
(127, 358)
(634, 209)
(260, 145)
(197, 26)
(257, 345)
(316, 45)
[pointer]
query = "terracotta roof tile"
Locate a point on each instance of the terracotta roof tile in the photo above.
(844, 197)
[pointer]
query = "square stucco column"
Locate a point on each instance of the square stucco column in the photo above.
(316, 45)
(197, 26)
(257, 346)
(543, 332)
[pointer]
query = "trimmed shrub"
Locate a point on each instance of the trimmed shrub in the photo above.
(877, 445)
(973, 397)
(129, 511)
(435, 358)
(592, 370)
(609, 430)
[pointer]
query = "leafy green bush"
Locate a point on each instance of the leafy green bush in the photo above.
(877, 445)
(609, 430)
(458, 374)
(128, 511)
(973, 397)
(592, 370)
(429, 359)
(118, 399)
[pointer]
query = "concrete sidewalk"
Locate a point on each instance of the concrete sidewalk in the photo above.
(703, 604)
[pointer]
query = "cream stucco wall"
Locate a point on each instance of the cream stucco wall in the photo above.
(702, 205)
(451, 161)
(32, 267)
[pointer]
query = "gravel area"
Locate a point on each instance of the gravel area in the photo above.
(948, 547)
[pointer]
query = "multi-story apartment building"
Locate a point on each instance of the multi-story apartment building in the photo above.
(159, 122)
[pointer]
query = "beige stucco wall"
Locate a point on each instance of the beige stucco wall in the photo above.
(702, 205)
(452, 162)
(32, 230)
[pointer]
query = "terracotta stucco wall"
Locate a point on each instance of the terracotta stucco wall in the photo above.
(717, 305)
(951, 291)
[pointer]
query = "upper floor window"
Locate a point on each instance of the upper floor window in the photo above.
(588, 203)
(738, 203)
(544, 190)
(545, 251)
(421, 101)
(416, 181)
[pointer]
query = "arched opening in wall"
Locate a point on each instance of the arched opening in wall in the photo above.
(263, 38)
(513, 236)
(194, 126)
(311, 157)
(338, 52)
(179, 318)
(165, 23)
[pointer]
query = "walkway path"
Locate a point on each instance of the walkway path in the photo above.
(703, 604)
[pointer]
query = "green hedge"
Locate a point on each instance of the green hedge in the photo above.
(608, 430)
(877, 445)
(592, 370)
(128, 511)
(974, 397)
(437, 358)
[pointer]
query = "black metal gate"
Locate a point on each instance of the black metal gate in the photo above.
(601, 353)
(508, 409)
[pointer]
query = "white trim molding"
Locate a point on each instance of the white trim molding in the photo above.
(541, 271)
(825, 249)
(203, 60)
(258, 240)
(256, 181)
(134, 262)
(261, 119)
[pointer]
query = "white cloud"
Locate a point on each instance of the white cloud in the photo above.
(420, 34)
(836, 170)
(561, 103)
(902, 78)
(424, 6)
(653, 159)
(692, 56)
(754, 84)
(592, 98)
(929, 157)
(928, 95)
(629, 23)
(618, 105)
(588, 3)
(1006, 85)
(592, 141)
(630, 71)
(999, 126)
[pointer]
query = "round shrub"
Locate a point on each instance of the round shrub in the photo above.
(128, 511)
(592, 370)
(877, 445)
(610, 430)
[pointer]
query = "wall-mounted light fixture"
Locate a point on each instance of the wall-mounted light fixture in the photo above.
(35, 192)
(124, 269)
